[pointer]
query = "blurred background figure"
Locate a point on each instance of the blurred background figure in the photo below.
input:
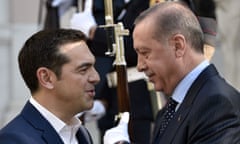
(228, 18)
(221, 25)
(215, 17)
(205, 11)
(124, 11)
(54, 11)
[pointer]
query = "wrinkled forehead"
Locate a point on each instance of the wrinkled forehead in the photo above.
(143, 32)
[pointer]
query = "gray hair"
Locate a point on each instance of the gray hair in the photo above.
(174, 18)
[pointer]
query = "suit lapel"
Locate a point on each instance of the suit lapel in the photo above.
(158, 122)
(83, 136)
(34, 117)
(185, 107)
(52, 137)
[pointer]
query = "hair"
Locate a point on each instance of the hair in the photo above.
(174, 18)
(42, 50)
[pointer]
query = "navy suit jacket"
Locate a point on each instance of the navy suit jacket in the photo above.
(210, 113)
(29, 127)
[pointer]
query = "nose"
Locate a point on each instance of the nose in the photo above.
(141, 65)
(94, 77)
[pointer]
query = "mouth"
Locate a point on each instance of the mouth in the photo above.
(149, 76)
(91, 93)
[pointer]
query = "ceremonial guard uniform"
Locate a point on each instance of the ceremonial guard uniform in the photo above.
(141, 110)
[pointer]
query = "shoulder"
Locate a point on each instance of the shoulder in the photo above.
(21, 128)
(215, 111)
(15, 131)
(215, 92)
(17, 125)
(15, 137)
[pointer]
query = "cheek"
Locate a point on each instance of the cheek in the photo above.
(154, 63)
(159, 68)
(77, 81)
(75, 86)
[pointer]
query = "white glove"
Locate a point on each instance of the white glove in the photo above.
(96, 112)
(63, 5)
(118, 133)
(56, 3)
(84, 21)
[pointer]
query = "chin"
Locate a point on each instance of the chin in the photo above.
(91, 105)
(157, 88)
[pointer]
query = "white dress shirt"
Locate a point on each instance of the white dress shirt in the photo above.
(66, 132)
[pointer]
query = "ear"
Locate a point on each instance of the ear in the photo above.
(46, 77)
(179, 45)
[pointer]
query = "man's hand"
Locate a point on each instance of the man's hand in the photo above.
(84, 21)
(118, 133)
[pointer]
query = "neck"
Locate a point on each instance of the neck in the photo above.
(51, 104)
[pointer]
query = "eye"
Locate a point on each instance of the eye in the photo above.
(82, 70)
(144, 54)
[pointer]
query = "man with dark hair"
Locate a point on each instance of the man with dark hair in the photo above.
(58, 68)
(202, 106)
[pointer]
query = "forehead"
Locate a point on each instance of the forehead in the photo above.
(76, 50)
(143, 34)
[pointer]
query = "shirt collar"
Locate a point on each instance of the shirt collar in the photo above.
(183, 87)
(57, 124)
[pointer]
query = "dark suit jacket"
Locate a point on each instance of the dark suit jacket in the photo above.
(209, 114)
(29, 127)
